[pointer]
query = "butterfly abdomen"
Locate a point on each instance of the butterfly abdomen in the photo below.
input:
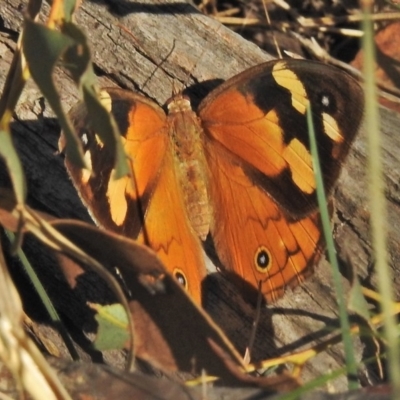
(190, 163)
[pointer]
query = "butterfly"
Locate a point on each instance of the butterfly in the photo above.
(238, 172)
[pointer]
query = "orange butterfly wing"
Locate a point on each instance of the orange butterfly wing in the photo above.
(265, 224)
(147, 205)
(260, 116)
(168, 232)
(253, 237)
(256, 194)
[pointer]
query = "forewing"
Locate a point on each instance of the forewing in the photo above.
(259, 116)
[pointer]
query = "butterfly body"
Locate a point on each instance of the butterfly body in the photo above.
(240, 170)
(191, 168)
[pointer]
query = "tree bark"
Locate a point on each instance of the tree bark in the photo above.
(171, 45)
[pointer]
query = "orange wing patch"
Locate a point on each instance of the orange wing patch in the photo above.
(252, 236)
(167, 231)
(241, 127)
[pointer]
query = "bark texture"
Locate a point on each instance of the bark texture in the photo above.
(171, 45)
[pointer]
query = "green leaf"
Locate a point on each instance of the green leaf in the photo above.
(105, 126)
(52, 45)
(113, 327)
(69, 8)
(77, 60)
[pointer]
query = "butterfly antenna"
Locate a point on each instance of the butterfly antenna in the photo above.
(190, 72)
(158, 64)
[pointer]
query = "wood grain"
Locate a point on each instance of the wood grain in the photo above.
(172, 45)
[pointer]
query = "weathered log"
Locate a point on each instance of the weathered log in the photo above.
(172, 45)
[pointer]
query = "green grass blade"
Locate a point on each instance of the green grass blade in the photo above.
(351, 365)
(44, 298)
